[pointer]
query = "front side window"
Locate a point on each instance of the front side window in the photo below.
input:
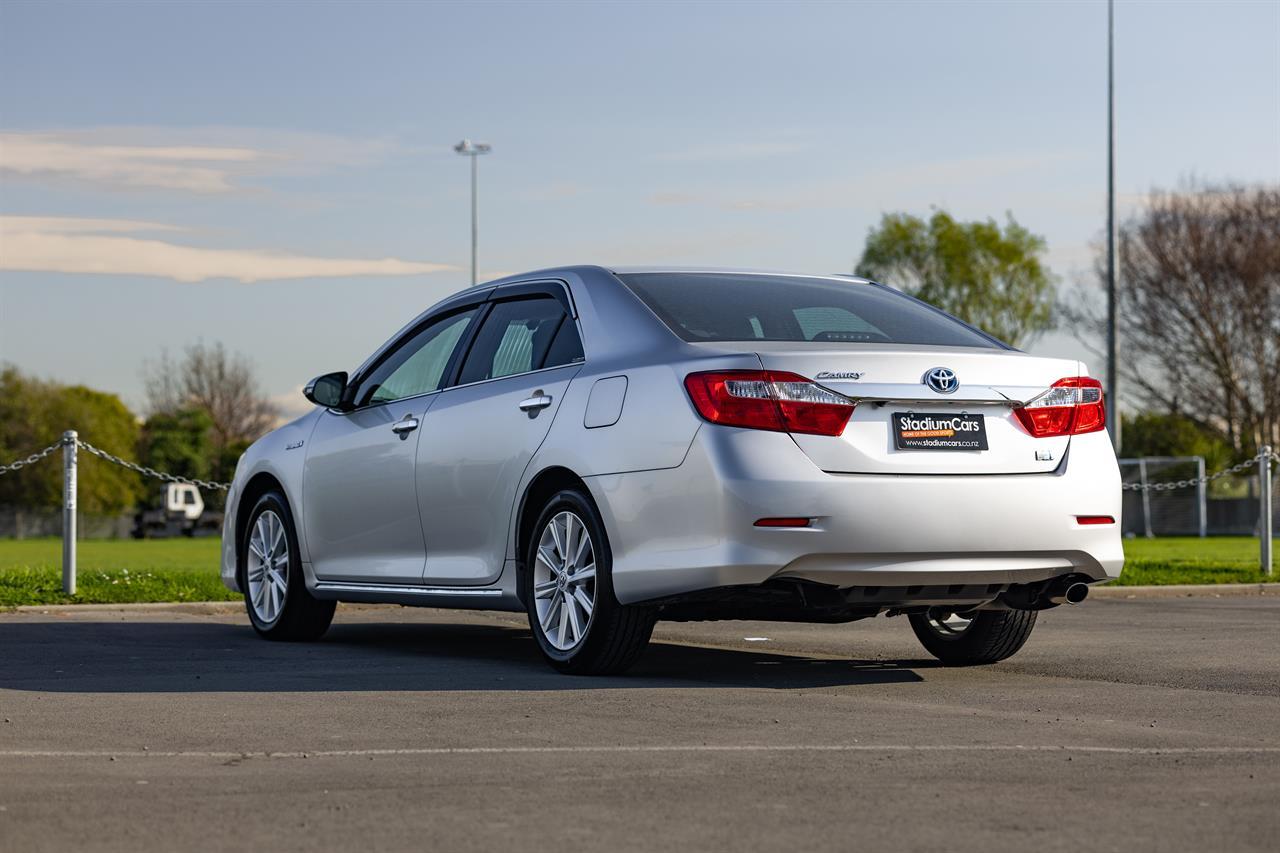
(418, 366)
(517, 337)
(744, 307)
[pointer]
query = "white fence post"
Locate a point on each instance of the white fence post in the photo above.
(1264, 507)
(70, 441)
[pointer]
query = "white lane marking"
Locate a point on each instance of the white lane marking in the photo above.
(747, 748)
(756, 639)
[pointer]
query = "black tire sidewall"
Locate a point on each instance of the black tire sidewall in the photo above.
(605, 604)
(992, 636)
(275, 502)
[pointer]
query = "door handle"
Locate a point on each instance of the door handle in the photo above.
(405, 426)
(539, 400)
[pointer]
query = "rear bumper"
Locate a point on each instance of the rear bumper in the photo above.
(691, 528)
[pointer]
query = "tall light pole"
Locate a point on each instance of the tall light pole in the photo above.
(1113, 389)
(467, 148)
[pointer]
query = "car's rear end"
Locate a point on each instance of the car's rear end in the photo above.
(862, 452)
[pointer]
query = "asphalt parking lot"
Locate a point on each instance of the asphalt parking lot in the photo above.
(1123, 725)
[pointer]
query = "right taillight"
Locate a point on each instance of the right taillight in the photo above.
(768, 399)
(1071, 406)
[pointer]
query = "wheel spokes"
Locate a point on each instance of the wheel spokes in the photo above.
(584, 601)
(267, 574)
(563, 581)
(583, 575)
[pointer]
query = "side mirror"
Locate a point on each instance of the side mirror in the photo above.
(327, 390)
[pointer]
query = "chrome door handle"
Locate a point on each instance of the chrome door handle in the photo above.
(538, 401)
(405, 426)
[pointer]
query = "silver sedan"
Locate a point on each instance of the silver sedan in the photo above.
(603, 448)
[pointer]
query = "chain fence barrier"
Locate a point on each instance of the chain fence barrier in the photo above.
(1266, 453)
(124, 463)
(71, 443)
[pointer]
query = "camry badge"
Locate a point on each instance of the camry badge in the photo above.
(941, 379)
(839, 374)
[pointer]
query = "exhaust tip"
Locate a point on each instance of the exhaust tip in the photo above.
(1076, 593)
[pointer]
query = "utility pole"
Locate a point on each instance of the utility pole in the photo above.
(467, 148)
(1113, 387)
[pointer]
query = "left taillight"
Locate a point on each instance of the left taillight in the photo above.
(768, 399)
(1071, 406)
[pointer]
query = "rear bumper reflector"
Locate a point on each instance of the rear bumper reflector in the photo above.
(1095, 519)
(783, 522)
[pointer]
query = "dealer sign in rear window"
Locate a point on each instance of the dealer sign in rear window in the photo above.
(934, 431)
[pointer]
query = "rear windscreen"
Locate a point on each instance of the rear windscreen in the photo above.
(733, 307)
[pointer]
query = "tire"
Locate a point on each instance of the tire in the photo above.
(989, 636)
(614, 635)
(284, 610)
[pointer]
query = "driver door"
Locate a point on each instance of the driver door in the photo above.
(359, 493)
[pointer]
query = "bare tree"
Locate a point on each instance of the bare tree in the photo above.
(1198, 308)
(218, 383)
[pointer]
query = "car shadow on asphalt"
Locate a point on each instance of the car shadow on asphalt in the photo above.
(190, 657)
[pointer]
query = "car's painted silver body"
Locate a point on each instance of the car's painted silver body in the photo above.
(432, 519)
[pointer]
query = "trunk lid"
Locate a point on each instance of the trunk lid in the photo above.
(888, 379)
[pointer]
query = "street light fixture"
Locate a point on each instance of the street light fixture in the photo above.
(467, 148)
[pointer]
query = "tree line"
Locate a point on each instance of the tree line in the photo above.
(1198, 307)
(202, 410)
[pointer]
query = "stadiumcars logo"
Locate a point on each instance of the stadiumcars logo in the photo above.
(939, 431)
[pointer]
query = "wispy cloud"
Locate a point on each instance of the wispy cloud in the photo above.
(197, 169)
(110, 247)
(207, 161)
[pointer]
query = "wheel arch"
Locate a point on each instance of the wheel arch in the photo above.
(259, 484)
(546, 483)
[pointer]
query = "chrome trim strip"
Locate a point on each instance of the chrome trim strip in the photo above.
(406, 590)
(918, 401)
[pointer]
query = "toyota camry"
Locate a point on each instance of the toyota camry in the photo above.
(605, 448)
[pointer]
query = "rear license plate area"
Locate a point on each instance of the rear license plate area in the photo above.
(939, 431)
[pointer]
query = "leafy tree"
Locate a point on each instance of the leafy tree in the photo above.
(1198, 308)
(34, 414)
(220, 384)
(178, 443)
(1159, 434)
(990, 277)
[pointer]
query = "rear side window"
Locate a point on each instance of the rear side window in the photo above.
(732, 307)
(516, 337)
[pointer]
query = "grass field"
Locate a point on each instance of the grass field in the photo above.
(187, 569)
(1190, 559)
(112, 571)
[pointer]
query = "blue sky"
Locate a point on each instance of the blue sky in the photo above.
(279, 176)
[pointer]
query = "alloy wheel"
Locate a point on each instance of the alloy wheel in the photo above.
(564, 581)
(268, 567)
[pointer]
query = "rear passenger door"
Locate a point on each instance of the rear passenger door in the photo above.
(481, 433)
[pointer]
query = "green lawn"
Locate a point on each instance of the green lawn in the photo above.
(187, 569)
(112, 571)
(1190, 559)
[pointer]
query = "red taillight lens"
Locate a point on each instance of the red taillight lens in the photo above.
(782, 522)
(1070, 407)
(768, 399)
